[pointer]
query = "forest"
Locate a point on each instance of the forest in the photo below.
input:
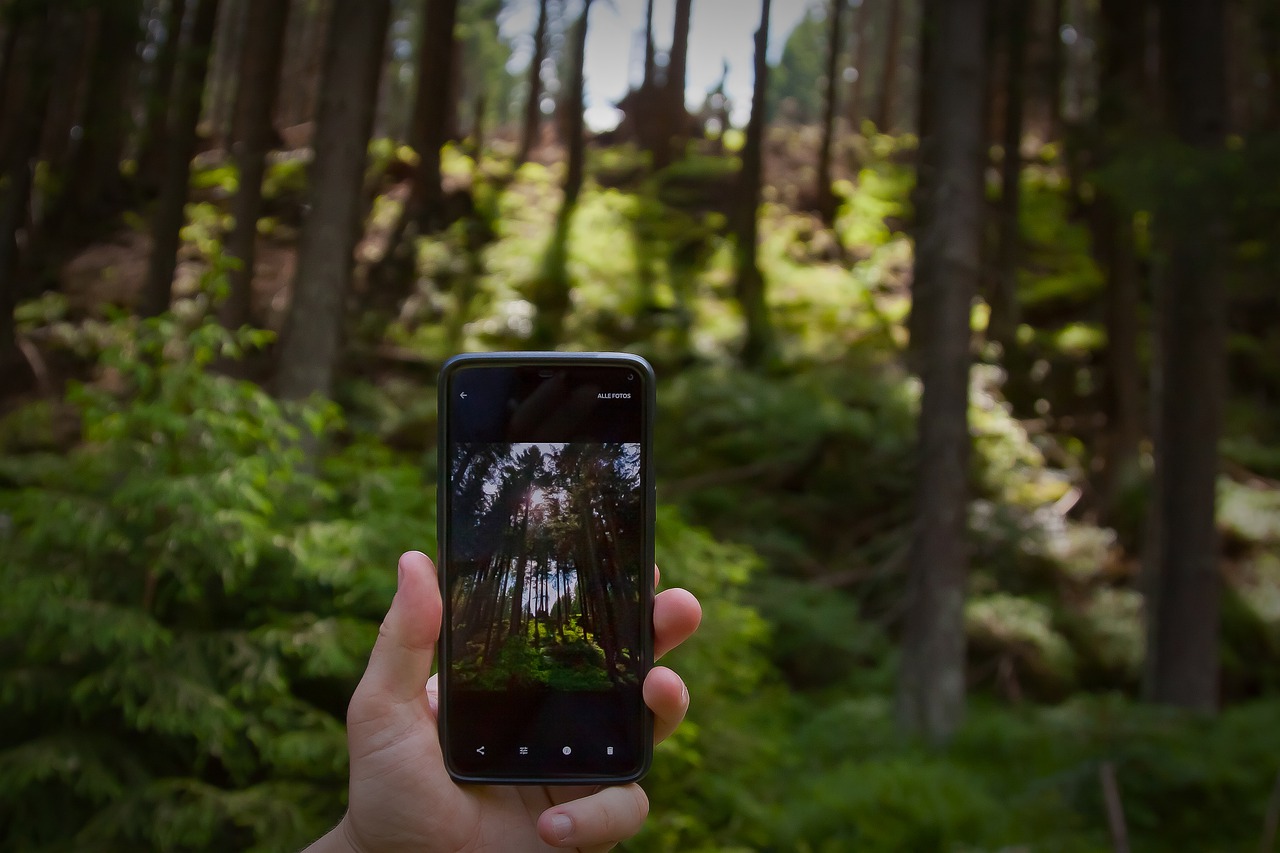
(548, 556)
(967, 335)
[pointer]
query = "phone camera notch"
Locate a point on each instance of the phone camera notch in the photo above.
(545, 374)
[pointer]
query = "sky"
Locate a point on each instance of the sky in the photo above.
(720, 31)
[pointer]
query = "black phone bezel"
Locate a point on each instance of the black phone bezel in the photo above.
(550, 360)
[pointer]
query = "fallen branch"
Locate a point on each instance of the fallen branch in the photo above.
(1271, 824)
(1115, 809)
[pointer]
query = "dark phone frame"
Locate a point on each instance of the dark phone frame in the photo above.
(550, 360)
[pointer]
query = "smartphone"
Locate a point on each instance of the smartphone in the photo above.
(546, 509)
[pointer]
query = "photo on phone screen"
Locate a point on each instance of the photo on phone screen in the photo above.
(546, 564)
(547, 567)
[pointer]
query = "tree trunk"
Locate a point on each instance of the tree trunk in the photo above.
(645, 110)
(166, 223)
(650, 53)
(224, 68)
(749, 283)
(574, 143)
(259, 81)
(1005, 313)
(96, 190)
(479, 109)
(1054, 70)
(1269, 42)
(533, 101)
(1120, 109)
(63, 107)
(12, 28)
(551, 297)
(34, 49)
(432, 111)
(159, 98)
(822, 192)
(310, 343)
(889, 77)
(72, 78)
(424, 211)
(858, 54)
(918, 323)
(931, 683)
(304, 54)
(673, 118)
(1183, 650)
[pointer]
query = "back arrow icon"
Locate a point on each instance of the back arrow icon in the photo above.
(463, 395)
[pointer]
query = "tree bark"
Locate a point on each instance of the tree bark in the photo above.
(1005, 313)
(1120, 107)
(259, 81)
(889, 75)
(931, 682)
(533, 101)
(166, 223)
(12, 28)
(1055, 70)
(858, 60)
(574, 143)
(918, 324)
(63, 107)
(749, 282)
(96, 189)
(159, 99)
(432, 110)
(1269, 42)
(822, 192)
(34, 49)
(1183, 650)
(310, 343)
(673, 116)
(224, 69)
(650, 53)
(551, 297)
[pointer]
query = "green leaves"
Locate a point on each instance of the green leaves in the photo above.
(173, 677)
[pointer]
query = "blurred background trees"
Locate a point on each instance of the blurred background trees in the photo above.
(965, 319)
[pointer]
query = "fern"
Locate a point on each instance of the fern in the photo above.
(188, 603)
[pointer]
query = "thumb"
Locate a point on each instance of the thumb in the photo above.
(401, 660)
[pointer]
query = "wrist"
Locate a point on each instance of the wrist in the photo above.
(336, 840)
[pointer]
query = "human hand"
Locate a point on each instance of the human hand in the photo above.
(402, 798)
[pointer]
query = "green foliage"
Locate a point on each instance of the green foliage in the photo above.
(795, 83)
(286, 177)
(1023, 629)
(188, 605)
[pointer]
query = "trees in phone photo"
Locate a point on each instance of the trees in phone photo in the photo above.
(547, 549)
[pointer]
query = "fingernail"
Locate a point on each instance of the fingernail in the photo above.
(562, 826)
(399, 575)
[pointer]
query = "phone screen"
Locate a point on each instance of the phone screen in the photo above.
(547, 568)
